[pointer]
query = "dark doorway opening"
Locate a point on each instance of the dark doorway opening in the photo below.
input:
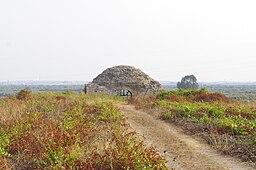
(124, 92)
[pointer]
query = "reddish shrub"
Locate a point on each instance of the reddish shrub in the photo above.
(58, 98)
(211, 97)
(175, 98)
(24, 95)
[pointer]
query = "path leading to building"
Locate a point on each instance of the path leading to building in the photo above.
(180, 150)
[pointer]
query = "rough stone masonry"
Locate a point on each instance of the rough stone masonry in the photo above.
(129, 78)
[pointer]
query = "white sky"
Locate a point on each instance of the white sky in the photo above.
(167, 39)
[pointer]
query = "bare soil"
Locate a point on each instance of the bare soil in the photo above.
(181, 151)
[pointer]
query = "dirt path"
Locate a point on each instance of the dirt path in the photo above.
(181, 151)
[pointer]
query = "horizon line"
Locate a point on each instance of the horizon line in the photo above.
(164, 81)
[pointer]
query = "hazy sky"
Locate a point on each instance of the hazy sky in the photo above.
(167, 39)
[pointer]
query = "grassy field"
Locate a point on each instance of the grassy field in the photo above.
(69, 131)
(229, 126)
(52, 130)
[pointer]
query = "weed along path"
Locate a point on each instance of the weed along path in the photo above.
(181, 151)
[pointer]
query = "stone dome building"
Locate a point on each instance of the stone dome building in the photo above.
(120, 79)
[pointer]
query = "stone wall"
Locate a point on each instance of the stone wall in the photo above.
(113, 79)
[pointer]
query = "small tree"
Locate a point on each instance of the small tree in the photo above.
(188, 82)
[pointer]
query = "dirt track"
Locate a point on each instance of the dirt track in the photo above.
(181, 151)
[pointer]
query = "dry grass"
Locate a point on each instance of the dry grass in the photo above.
(69, 131)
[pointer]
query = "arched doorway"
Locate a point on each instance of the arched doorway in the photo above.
(125, 93)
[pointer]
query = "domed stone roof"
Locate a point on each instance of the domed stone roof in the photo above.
(113, 79)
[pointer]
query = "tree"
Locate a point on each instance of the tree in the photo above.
(188, 82)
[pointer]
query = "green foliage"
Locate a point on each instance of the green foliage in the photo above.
(168, 115)
(229, 126)
(188, 82)
(204, 119)
(55, 157)
(4, 143)
(209, 113)
(201, 106)
(181, 92)
(200, 95)
(108, 112)
(24, 95)
(236, 125)
(70, 131)
(215, 112)
(68, 92)
(254, 139)
(186, 110)
(189, 92)
(163, 95)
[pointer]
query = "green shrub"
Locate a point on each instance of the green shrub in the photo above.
(215, 112)
(24, 95)
(163, 95)
(168, 116)
(254, 138)
(4, 143)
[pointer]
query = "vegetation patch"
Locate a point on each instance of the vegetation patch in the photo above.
(209, 115)
(201, 95)
(24, 95)
(69, 131)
